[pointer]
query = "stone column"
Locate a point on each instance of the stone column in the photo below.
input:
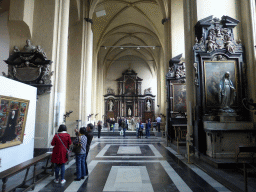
(62, 60)
(248, 40)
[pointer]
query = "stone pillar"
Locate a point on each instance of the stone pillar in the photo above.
(62, 60)
(248, 40)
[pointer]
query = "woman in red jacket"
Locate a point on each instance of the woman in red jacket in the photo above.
(59, 152)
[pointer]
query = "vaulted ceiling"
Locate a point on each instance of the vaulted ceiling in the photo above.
(126, 25)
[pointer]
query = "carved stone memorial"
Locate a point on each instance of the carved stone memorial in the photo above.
(30, 66)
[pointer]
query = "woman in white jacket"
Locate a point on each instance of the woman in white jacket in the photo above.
(137, 128)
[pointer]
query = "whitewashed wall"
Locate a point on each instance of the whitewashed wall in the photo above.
(17, 154)
(4, 42)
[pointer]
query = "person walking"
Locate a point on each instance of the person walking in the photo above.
(148, 126)
(141, 130)
(80, 157)
(124, 125)
(99, 128)
(158, 120)
(114, 122)
(61, 142)
(137, 128)
(89, 135)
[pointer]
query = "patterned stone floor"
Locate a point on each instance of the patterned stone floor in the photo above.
(130, 164)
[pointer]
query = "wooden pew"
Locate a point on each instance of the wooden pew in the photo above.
(26, 165)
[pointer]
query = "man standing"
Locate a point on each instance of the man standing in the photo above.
(158, 120)
(89, 135)
(148, 126)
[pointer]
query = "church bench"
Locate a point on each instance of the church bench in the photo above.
(26, 166)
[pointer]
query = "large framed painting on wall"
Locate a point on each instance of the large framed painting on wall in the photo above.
(179, 98)
(13, 114)
(214, 73)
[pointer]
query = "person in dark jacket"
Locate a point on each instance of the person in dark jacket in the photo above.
(81, 157)
(59, 152)
(148, 127)
(99, 128)
(141, 130)
(89, 135)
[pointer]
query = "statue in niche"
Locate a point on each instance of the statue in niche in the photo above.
(227, 92)
(129, 112)
(148, 106)
(111, 104)
(29, 47)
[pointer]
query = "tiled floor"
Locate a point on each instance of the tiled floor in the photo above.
(130, 164)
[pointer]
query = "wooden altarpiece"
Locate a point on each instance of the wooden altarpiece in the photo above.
(129, 101)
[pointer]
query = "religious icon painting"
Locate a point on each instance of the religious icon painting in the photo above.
(13, 113)
(179, 98)
(213, 73)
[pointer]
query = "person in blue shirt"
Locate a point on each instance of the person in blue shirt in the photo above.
(148, 126)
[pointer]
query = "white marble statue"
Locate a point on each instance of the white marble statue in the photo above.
(110, 105)
(129, 112)
(148, 106)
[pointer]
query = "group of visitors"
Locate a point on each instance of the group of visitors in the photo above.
(140, 127)
(111, 124)
(61, 142)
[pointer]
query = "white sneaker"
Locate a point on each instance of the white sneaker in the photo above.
(63, 181)
(56, 180)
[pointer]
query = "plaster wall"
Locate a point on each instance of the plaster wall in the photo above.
(218, 8)
(177, 28)
(139, 66)
(25, 150)
(4, 42)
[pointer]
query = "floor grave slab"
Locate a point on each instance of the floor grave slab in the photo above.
(128, 178)
(129, 150)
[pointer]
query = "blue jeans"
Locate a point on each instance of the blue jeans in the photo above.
(124, 131)
(57, 170)
(114, 128)
(80, 165)
(147, 133)
(137, 132)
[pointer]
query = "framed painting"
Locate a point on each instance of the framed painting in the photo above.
(179, 98)
(214, 72)
(13, 114)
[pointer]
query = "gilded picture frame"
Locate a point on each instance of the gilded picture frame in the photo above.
(13, 116)
(179, 98)
(214, 72)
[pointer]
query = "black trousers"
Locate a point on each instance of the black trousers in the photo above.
(140, 133)
(86, 167)
(99, 133)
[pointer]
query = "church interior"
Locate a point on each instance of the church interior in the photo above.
(186, 66)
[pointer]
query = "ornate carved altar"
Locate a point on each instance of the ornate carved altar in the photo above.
(30, 66)
(176, 102)
(221, 122)
(129, 101)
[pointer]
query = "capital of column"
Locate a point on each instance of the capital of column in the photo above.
(89, 20)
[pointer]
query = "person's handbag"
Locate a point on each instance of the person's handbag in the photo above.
(77, 147)
(68, 153)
